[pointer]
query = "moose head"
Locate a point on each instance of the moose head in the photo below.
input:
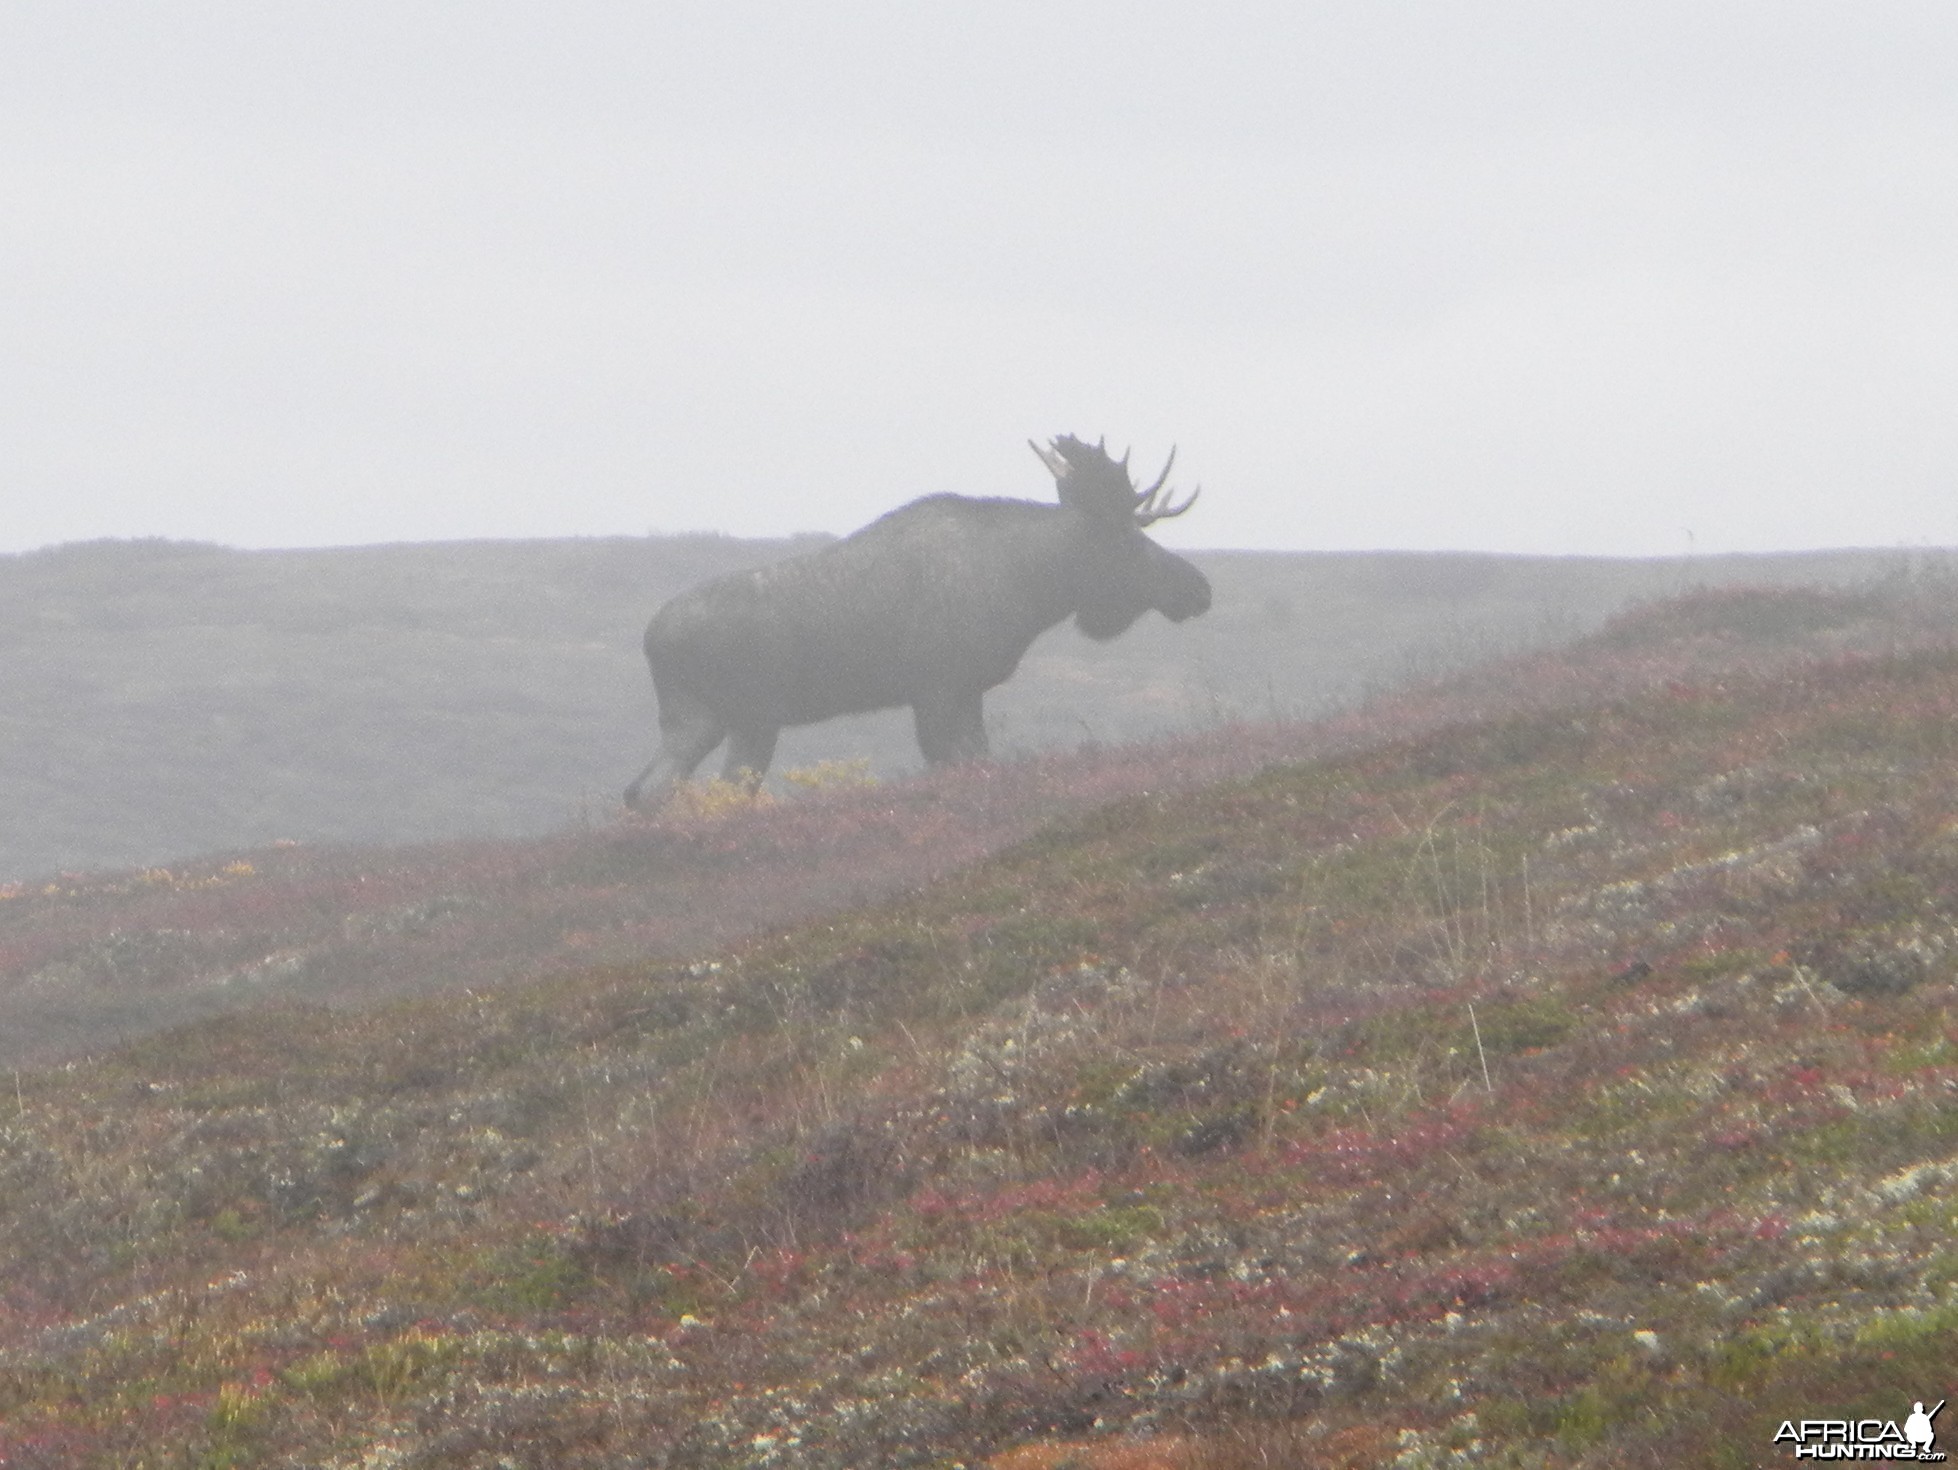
(1125, 573)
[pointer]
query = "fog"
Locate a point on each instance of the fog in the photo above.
(1516, 277)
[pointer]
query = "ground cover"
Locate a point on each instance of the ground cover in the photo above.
(1573, 1083)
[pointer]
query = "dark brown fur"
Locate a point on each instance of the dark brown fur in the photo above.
(929, 606)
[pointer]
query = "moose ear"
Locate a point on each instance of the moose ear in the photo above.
(1051, 457)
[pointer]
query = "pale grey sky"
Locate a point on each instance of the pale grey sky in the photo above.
(1542, 277)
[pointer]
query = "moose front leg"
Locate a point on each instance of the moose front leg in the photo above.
(951, 726)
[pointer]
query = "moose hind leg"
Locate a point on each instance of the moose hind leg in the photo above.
(685, 740)
(748, 755)
(951, 727)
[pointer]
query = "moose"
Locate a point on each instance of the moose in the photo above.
(929, 606)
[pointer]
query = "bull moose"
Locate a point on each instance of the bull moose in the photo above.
(929, 606)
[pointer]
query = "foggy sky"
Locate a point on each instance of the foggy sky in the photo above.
(1513, 276)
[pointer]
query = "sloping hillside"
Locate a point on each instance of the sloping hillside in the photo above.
(88, 962)
(163, 700)
(1573, 1083)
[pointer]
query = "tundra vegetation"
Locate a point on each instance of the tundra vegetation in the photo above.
(1556, 1066)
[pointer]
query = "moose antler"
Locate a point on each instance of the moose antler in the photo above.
(1153, 504)
(1091, 481)
(1051, 457)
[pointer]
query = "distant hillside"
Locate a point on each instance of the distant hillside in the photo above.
(166, 699)
(1556, 1065)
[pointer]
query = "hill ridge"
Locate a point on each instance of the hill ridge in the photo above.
(165, 701)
